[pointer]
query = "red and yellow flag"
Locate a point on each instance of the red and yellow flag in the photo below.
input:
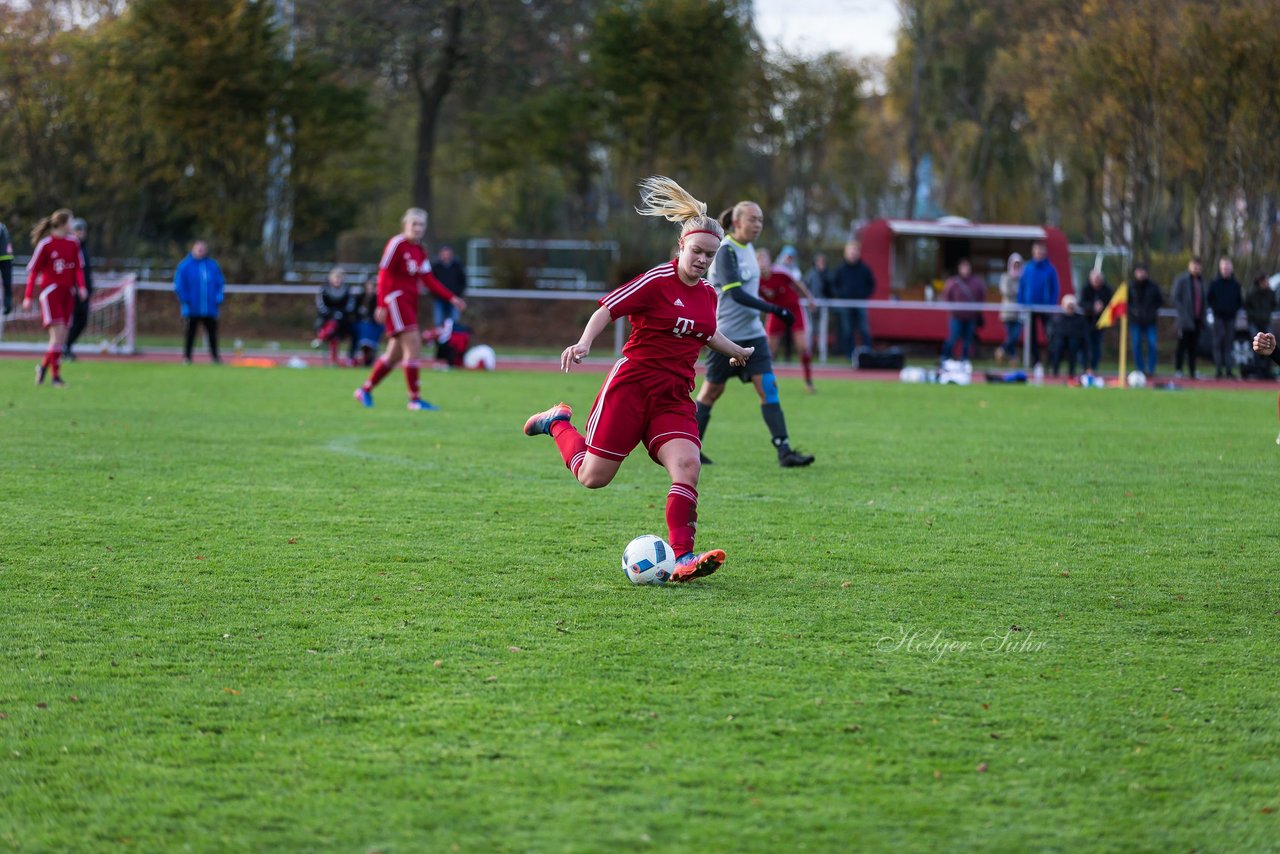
(1117, 308)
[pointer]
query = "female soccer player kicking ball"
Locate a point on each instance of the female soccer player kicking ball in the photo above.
(56, 271)
(404, 272)
(646, 397)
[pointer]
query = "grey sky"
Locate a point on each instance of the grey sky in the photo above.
(860, 27)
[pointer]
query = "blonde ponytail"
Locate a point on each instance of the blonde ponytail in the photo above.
(660, 196)
(57, 219)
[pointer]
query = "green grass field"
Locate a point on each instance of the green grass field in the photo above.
(238, 612)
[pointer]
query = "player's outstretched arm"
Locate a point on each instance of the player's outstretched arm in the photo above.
(737, 355)
(1264, 343)
(575, 353)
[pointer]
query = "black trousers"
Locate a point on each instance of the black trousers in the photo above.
(79, 320)
(1039, 321)
(1188, 343)
(6, 280)
(210, 327)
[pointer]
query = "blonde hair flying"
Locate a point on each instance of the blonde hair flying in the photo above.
(660, 196)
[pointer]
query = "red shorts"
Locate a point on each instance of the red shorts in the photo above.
(57, 304)
(402, 311)
(773, 324)
(636, 405)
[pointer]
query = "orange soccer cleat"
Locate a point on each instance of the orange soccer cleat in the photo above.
(542, 421)
(690, 566)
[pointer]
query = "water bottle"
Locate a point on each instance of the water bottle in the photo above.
(1037, 374)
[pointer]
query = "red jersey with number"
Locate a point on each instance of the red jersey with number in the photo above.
(56, 262)
(405, 268)
(670, 321)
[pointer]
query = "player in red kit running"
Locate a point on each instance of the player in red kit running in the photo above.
(55, 275)
(781, 287)
(646, 397)
(403, 274)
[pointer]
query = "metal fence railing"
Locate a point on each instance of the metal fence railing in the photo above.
(298, 299)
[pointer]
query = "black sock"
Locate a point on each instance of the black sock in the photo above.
(702, 413)
(777, 424)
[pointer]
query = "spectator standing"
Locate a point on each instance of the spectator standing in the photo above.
(1069, 334)
(450, 272)
(1226, 298)
(199, 284)
(1094, 299)
(1190, 298)
(852, 280)
(818, 277)
(1145, 302)
(80, 315)
(1038, 286)
(6, 268)
(1009, 314)
(1259, 305)
(964, 286)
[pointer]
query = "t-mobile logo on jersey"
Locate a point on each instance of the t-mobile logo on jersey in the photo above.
(683, 327)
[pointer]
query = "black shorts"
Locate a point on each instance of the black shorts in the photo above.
(761, 362)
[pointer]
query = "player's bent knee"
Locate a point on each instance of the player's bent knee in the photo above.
(595, 473)
(594, 480)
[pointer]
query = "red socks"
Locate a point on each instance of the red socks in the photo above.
(682, 517)
(411, 369)
(377, 375)
(52, 359)
(333, 351)
(806, 362)
(381, 369)
(572, 445)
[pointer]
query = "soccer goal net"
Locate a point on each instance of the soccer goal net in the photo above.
(111, 326)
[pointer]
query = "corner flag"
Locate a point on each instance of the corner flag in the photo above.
(1118, 307)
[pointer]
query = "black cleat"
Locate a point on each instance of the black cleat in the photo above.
(791, 458)
(704, 459)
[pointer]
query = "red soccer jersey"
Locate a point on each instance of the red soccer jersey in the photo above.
(777, 288)
(56, 261)
(670, 321)
(404, 267)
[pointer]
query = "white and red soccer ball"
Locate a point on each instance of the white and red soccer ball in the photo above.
(648, 560)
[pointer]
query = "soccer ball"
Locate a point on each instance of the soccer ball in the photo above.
(1137, 379)
(648, 560)
(480, 357)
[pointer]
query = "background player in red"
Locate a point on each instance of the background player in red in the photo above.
(783, 288)
(403, 274)
(646, 397)
(55, 275)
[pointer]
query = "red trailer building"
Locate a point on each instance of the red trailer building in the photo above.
(912, 259)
